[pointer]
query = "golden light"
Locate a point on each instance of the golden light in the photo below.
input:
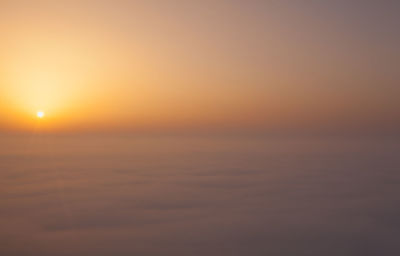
(40, 114)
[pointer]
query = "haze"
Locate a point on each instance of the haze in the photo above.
(199, 128)
(200, 66)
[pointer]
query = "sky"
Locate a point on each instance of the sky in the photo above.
(200, 66)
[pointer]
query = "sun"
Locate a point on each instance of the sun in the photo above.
(40, 114)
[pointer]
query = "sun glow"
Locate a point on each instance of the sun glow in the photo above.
(53, 74)
(40, 114)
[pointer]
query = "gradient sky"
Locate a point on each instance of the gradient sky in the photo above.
(200, 65)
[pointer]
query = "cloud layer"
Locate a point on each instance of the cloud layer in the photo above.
(198, 196)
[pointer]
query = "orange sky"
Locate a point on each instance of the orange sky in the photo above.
(210, 65)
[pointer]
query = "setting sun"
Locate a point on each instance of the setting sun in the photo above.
(40, 114)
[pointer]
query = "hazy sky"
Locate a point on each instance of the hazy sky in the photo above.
(200, 65)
